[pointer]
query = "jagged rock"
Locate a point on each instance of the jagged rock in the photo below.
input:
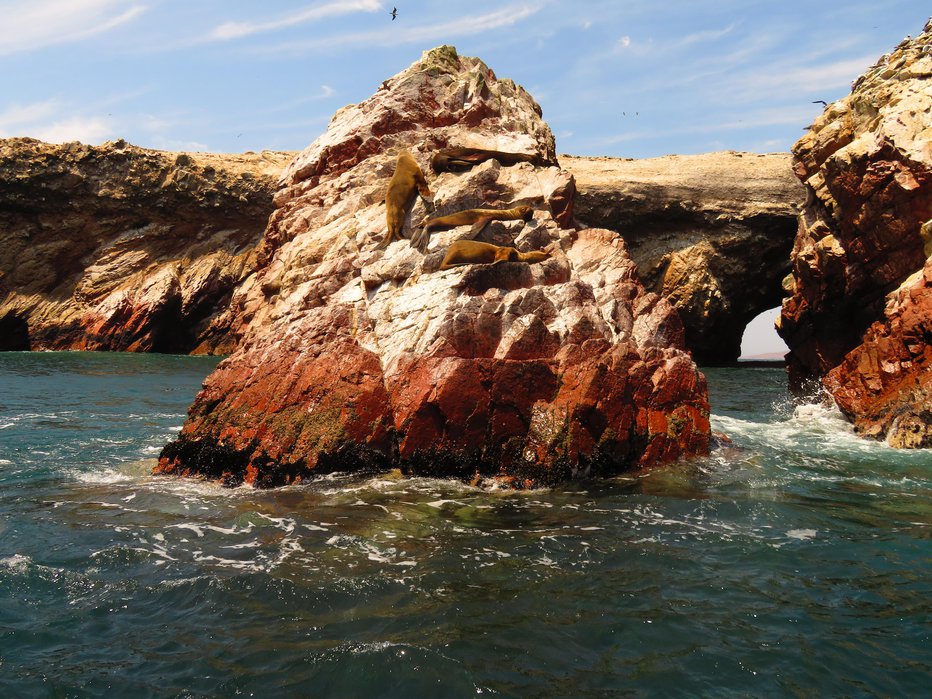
(712, 232)
(121, 248)
(884, 385)
(859, 314)
(359, 356)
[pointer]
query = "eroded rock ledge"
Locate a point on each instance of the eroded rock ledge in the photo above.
(860, 316)
(116, 247)
(711, 232)
(359, 356)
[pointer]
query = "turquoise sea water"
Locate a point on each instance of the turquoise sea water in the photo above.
(797, 562)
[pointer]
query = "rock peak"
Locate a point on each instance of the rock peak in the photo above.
(442, 99)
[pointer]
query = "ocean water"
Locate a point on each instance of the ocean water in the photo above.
(795, 562)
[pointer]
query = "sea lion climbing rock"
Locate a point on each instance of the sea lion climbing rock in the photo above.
(524, 374)
(477, 218)
(471, 252)
(407, 181)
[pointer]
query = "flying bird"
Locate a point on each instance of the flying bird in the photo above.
(822, 102)
(394, 13)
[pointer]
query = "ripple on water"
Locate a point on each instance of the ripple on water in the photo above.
(794, 561)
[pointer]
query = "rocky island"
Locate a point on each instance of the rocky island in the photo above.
(356, 354)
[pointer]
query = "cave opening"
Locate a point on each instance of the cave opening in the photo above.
(14, 334)
(760, 341)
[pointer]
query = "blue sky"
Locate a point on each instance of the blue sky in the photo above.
(631, 78)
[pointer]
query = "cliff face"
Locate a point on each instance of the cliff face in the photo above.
(860, 314)
(122, 248)
(358, 355)
(711, 232)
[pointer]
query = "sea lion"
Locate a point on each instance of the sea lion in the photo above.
(460, 159)
(477, 218)
(471, 252)
(407, 179)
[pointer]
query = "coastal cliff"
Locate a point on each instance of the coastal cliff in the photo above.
(115, 247)
(711, 232)
(860, 315)
(356, 355)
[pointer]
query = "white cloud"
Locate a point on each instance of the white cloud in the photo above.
(18, 117)
(823, 77)
(624, 42)
(54, 122)
(236, 30)
(85, 129)
(39, 23)
(707, 35)
(428, 35)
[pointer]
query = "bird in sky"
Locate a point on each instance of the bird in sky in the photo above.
(394, 13)
(822, 102)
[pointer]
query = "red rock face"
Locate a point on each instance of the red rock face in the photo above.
(885, 384)
(356, 355)
(855, 316)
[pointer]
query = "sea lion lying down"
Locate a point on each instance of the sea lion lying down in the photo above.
(460, 159)
(407, 180)
(477, 218)
(470, 252)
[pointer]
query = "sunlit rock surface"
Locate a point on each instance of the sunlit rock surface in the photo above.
(711, 232)
(116, 247)
(859, 314)
(356, 356)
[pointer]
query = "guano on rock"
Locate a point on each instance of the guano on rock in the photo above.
(357, 355)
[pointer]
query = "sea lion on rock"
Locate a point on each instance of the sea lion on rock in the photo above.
(471, 252)
(477, 218)
(460, 159)
(407, 180)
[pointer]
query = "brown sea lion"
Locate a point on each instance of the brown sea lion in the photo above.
(460, 159)
(407, 180)
(477, 218)
(471, 252)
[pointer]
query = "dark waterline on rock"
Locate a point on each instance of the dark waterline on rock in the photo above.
(795, 562)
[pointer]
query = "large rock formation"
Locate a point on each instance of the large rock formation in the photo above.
(860, 311)
(121, 248)
(711, 232)
(355, 355)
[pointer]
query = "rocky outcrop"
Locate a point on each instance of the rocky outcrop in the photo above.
(859, 310)
(121, 248)
(885, 383)
(356, 355)
(711, 232)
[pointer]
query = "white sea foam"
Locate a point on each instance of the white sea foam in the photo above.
(16, 563)
(802, 534)
(199, 531)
